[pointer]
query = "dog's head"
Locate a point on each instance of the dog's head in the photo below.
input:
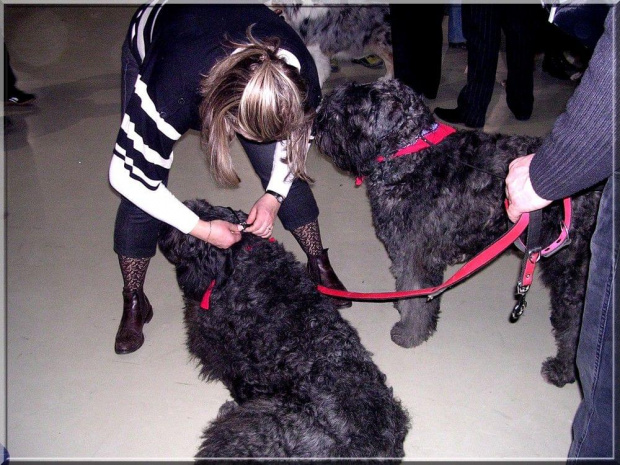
(198, 263)
(356, 123)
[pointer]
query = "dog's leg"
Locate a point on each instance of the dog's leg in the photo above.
(566, 313)
(566, 282)
(418, 316)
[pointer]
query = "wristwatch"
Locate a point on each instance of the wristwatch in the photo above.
(278, 197)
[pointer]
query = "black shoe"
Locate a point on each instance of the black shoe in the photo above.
(18, 97)
(522, 116)
(557, 66)
(453, 116)
(519, 110)
(137, 311)
(321, 272)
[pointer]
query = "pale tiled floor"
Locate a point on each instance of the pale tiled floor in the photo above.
(473, 391)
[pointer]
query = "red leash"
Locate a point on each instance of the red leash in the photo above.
(532, 251)
(479, 261)
(469, 268)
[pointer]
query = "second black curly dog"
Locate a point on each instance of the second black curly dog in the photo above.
(442, 205)
(302, 383)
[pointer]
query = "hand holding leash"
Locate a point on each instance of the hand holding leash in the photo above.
(519, 190)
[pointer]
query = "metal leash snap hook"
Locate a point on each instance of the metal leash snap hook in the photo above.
(243, 224)
(521, 304)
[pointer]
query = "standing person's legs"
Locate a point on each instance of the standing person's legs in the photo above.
(9, 75)
(135, 242)
(299, 214)
(417, 39)
(521, 28)
(483, 34)
(12, 94)
(593, 426)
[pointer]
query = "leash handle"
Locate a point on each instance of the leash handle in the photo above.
(563, 239)
(469, 268)
(533, 251)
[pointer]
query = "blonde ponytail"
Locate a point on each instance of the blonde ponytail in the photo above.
(257, 94)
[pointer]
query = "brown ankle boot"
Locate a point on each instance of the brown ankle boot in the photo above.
(321, 272)
(137, 311)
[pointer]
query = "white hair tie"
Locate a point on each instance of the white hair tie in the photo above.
(284, 54)
(289, 58)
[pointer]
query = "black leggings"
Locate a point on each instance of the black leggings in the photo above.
(136, 232)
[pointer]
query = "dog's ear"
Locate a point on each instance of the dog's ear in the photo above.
(209, 264)
(220, 263)
(339, 132)
(197, 263)
(356, 123)
(351, 125)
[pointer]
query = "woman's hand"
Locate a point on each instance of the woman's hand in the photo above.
(219, 233)
(262, 216)
(519, 191)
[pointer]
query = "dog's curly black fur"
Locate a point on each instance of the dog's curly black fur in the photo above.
(444, 204)
(302, 383)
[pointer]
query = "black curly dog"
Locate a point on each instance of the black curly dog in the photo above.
(302, 383)
(442, 205)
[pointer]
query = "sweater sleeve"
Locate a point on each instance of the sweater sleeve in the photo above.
(281, 178)
(579, 151)
(142, 158)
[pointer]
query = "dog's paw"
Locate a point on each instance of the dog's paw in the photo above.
(407, 336)
(557, 372)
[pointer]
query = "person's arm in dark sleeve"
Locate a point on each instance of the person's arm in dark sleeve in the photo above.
(579, 151)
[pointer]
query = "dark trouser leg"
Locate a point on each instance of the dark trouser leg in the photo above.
(521, 28)
(417, 66)
(593, 426)
(299, 214)
(9, 76)
(481, 24)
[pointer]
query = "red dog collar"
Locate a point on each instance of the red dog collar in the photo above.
(206, 298)
(429, 137)
(432, 136)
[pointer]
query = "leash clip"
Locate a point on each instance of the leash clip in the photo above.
(519, 308)
(244, 224)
